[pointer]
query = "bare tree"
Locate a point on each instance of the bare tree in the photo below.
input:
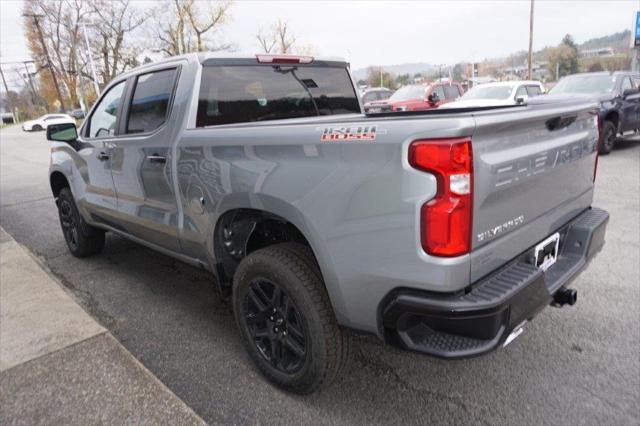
(115, 22)
(184, 26)
(278, 40)
(215, 15)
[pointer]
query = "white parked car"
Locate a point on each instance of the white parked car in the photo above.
(498, 94)
(43, 122)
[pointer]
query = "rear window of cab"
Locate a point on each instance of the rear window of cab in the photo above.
(250, 93)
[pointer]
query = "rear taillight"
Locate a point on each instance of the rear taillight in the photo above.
(284, 59)
(445, 220)
(599, 141)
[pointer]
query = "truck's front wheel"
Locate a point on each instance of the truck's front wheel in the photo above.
(608, 137)
(283, 312)
(82, 239)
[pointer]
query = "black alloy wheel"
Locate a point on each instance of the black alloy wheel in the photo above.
(82, 239)
(69, 223)
(286, 320)
(276, 326)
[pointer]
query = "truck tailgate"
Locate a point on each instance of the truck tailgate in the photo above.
(532, 174)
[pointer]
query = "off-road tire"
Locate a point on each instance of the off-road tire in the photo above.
(82, 239)
(293, 268)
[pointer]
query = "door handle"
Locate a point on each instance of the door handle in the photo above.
(155, 158)
(103, 156)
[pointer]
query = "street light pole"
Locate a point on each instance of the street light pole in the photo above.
(529, 74)
(93, 68)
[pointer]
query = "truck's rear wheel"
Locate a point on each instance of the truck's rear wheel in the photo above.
(608, 137)
(287, 323)
(82, 239)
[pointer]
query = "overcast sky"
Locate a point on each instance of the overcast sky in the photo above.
(393, 32)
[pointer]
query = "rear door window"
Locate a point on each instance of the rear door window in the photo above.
(248, 93)
(150, 101)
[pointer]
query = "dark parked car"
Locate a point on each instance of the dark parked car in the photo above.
(619, 99)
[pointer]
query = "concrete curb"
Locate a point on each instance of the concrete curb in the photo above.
(58, 365)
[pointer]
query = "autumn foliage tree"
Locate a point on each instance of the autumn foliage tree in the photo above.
(110, 25)
(59, 23)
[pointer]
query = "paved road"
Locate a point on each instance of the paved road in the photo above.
(578, 365)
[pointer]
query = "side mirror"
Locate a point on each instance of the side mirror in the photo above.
(629, 92)
(521, 99)
(65, 132)
(433, 98)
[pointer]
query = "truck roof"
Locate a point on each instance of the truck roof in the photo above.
(202, 57)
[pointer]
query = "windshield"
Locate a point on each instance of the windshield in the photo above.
(492, 92)
(585, 84)
(408, 92)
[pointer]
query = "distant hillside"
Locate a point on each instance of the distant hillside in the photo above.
(620, 42)
(411, 69)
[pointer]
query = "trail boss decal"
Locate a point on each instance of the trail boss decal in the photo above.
(352, 133)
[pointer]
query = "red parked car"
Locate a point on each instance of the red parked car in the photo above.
(418, 97)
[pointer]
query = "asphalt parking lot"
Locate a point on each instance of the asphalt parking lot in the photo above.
(576, 365)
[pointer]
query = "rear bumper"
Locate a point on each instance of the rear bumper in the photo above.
(479, 319)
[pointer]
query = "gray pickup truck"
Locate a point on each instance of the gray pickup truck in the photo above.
(442, 232)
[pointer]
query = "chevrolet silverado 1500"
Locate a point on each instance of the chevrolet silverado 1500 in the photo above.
(442, 232)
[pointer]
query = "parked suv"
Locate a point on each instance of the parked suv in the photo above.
(618, 95)
(440, 232)
(495, 94)
(42, 123)
(418, 97)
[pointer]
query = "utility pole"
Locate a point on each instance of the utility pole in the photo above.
(6, 90)
(381, 85)
(530, 74)
(46, 54)
(93, 68)
(33, 90)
